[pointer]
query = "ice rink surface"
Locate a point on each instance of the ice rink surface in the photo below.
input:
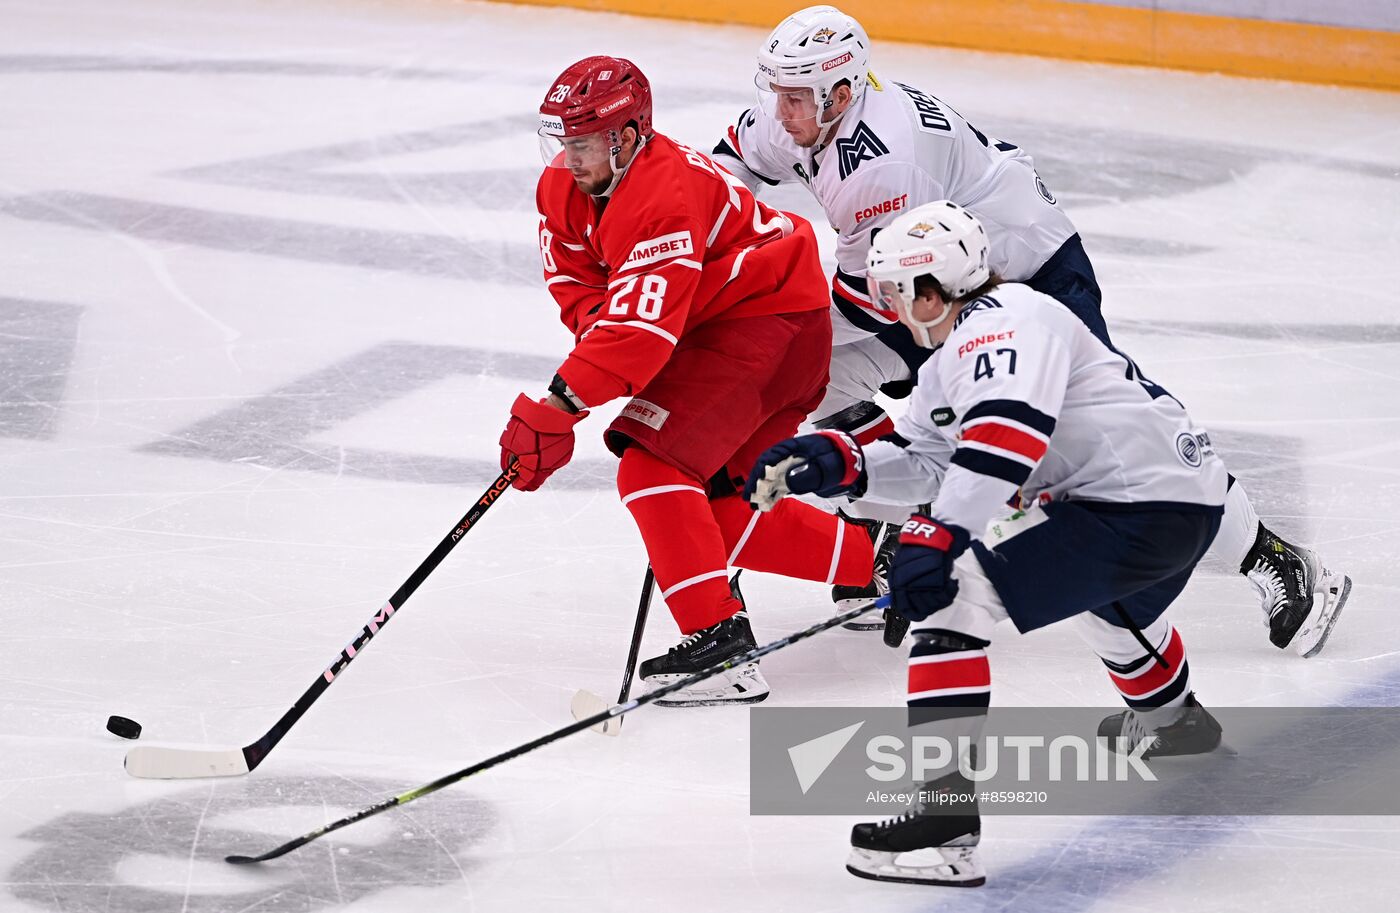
(268, 283)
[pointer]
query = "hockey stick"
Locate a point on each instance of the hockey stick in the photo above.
(156, 762)
(556, 735)
(586, 703)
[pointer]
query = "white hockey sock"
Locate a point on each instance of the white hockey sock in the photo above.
(1238, 528)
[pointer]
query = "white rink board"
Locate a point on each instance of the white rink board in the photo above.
(268, 285)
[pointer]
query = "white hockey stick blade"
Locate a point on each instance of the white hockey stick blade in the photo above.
(586, 704)
(152, 762)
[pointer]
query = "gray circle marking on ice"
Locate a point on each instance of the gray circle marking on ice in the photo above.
(84, 862)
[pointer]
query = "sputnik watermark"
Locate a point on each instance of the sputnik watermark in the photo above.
(921, 757)
(1071, 761)
(1113, 759)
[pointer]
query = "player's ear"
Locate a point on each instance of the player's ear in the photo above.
(842, 94)
(629, 138)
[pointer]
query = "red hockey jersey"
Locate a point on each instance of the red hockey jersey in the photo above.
(681, 242)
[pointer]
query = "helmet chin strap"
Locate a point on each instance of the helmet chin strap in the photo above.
(617, 173)
(922, 327)
(825, 130)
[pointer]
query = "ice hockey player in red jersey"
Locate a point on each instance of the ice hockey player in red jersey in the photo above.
(708, 311)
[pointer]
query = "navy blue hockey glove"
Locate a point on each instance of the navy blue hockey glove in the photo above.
(921, 574)
(826, 464)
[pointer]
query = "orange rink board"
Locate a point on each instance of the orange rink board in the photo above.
(1083, 31)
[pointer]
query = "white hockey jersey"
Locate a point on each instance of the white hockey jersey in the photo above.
(895, 148)
(1024, 404)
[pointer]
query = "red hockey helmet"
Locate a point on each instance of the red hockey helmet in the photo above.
(597, 95)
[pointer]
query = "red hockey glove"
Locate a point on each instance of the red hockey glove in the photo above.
(541, 437)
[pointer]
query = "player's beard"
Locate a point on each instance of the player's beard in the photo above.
(593, 187)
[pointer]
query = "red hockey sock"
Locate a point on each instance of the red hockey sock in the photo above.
(943, 676)
(682, 539)
(1143, 681)
(795, 539)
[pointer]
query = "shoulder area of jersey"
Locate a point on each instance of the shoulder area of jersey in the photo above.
(1005, 307)
(878, 128)
(660, 158)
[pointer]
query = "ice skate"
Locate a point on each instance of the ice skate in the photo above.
(732, 637)
(921, 846)
(1301, 598)
(1172, 731)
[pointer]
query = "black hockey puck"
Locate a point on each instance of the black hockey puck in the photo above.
(120, 725)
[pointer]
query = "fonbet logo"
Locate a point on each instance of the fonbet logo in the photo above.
(836, 61)
(1026, 757)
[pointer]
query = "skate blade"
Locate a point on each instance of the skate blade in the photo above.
(1317, 627)
(737, 686)
(960, 868)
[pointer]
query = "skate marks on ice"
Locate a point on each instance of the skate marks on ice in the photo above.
(1121, 862)
(274, 430)
(1307, 336)
(1128, 165)
(37, 341)
(167, 853)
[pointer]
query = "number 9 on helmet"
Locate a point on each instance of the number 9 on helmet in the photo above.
(805, 58)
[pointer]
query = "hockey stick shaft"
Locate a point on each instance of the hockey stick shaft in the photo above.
(254, 754)
(563, 732)
(643, 607)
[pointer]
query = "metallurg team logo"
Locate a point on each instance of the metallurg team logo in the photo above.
(921, 230)
(824, 36)
(861, 146)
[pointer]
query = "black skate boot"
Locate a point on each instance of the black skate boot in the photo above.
(1192, 730)
(945, 821)
(884, 538)
(1300, 597)
(740, 685)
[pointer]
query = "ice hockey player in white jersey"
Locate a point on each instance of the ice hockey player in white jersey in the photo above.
(1115, 492)
(870, 150)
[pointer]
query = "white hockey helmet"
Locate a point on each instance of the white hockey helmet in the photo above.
(940, 240)
(814, 48)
